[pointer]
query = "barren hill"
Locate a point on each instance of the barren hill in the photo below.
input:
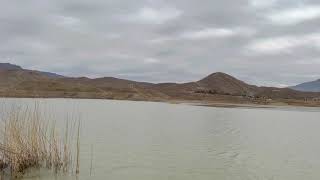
(217, 87)
(313, 86)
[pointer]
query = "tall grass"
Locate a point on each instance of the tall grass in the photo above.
(29, 140)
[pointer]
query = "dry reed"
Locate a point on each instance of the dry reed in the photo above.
(28, 140)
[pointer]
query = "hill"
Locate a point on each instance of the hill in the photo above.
(8, 66)
(217, 87)
(313, 86)
(226, 84)
(13, 67)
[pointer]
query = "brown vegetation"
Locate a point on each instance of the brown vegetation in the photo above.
(28, 140)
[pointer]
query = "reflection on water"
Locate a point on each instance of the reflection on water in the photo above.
(142, 140)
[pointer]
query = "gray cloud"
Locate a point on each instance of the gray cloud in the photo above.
(275, 42)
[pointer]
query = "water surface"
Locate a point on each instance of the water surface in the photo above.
(144, 141)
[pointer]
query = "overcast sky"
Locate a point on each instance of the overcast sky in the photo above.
(263, 42)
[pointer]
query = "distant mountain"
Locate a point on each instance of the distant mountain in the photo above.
(51, 75)
(219, 83)
(13, 67)
(8, 66)
(313, 86)
(217, 87)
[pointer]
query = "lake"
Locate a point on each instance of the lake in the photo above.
(146, 140)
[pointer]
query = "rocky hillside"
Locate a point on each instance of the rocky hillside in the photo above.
(222, 83)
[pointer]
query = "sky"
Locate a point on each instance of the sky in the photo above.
(263, 42)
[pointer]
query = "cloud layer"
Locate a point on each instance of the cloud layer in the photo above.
(274, 42)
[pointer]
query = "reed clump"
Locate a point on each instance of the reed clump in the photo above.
(29, 140)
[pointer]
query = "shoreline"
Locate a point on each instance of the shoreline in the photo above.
(246, 105)
(217, 104)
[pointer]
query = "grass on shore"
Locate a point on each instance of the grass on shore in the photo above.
(28, 140)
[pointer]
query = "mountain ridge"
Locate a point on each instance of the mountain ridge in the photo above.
(312, 86)
(9, 66)
(13, 67)
(216, 87)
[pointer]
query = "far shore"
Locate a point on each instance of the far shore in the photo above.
(245, 105)
(221, 104)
